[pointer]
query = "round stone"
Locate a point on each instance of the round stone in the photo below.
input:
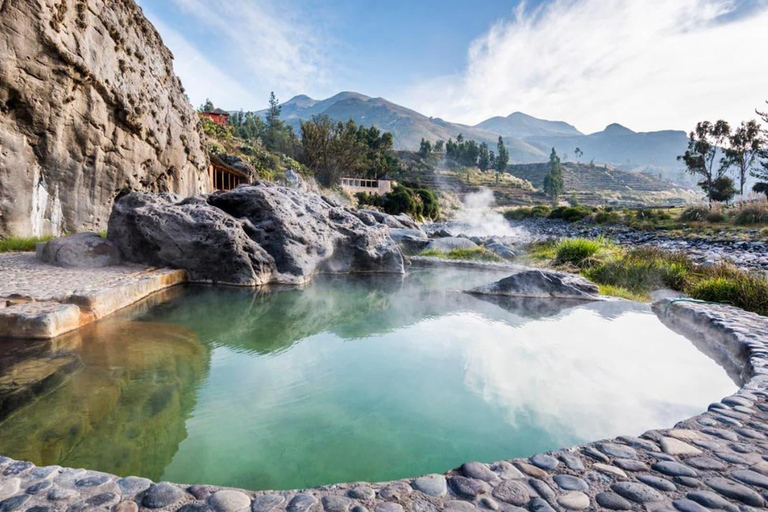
(388, 506)
(359, 508)
(92, 480)
(609, 470)
(709, 499)
(395, 491)
(639, 493)
(131, 506)
(673, 446)
(596, 454)
(512, 492)
(674, 469)
(431, 485)
(42, 508)
(14, 503)
(133, 485)
(488, 503)
(733, 458)
(17, 468)
(39, 487)
(618, 451)
(687, 481)
(659, 483)
(101, 501)
(228, 501)
(267, 502)
(750, 477)
(43, 472)
(612, 501)
(570, 483)
(733, 490)
(196, 507)
(459, 506)
(162, 495)
(301, 502)
(572, 462)
(705, 463)
(479, 471)
(531, 470)
(539, 505)
(574, 500)
(688, 506)
(468, 487)
(507, 471)
(57, 494)
(336, 503)
(360, 492)
(200, 492)
(631, 464)
(9, 487)
(543, 461)
(542, 488)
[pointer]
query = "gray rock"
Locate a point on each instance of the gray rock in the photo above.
(459, 506)
(334, 503)
(301, 502)
(450, 243)
(540, 283)
(750, 478)
(431, 485)
(478, 470)
(252, 235)
(572, 462)
(13, 503)
(388, 506)
(68, 151)
(709, 499)
(544, 461)
(618, 451)
(659, 483)
(83, 250)
(501, 250)
(688, 506)
(101, 501)
(630, 464)
(489, 503)
(395, 491)
(539, 505)
(512, 492)
(133, 485)
(639, 493)
(687, 481)
(161, 495)
(196, 507)
(39, 487)
(705, 463)
(17, 468)
(360, 492)
(229, 501)
(266, 502)
(467, 487)
(570, 483)
(674, 469)
(612, 501)
(733, 490)
(541, 487)
(411, 240)
(573, 500)
(92, 480)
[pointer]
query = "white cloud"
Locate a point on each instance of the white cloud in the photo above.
(237, 51)
(649, 64)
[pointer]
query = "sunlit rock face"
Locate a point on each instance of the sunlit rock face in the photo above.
(89, 107)
(133, 386)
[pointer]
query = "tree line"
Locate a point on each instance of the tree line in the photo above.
(716, 151)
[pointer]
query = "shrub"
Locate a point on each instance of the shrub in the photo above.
(535, 212)
(716, 217)
(418, 203)
(647, 214)
(607, 217)
(474, 254)
(694, 214)
(20, 244)
(570, 213)
(752, 214)
(577, 251)
(740, 289)
(643, 270)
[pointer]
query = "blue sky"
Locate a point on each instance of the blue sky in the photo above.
(644, 63)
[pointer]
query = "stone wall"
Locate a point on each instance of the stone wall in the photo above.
(89, 108)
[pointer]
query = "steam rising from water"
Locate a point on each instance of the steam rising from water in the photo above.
(477, 218)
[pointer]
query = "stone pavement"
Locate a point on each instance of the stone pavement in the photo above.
(38, 300)
(715, 461)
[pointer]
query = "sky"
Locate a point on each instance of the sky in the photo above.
(647, 64)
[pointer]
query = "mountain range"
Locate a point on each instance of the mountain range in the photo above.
(528, 139)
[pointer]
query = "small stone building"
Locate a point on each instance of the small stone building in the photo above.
(218, 116)
(377, 187)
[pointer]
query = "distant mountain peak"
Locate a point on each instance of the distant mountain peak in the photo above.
(521, 125)
(616, 128)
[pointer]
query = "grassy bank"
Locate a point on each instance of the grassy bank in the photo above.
(20, 244)
(636, 273)
(478, 254)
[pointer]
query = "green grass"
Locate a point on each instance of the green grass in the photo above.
(579, 252)
(476, 254)
(21, 244)
(622, 293)
(729, 285)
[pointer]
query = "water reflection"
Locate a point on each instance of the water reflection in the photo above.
(368, 378)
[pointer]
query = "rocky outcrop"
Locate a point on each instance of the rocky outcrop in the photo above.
(90, 109)
(451, 243)
(540, 284)
(252, 235)
(83, 250)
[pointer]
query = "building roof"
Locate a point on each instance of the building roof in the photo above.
(220, 112)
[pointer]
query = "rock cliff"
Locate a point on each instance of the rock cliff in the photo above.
(90, 108)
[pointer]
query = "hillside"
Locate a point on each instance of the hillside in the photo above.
(407, 126)
(522, 126)
(608, 185)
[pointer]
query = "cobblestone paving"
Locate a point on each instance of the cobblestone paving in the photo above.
(715, 461)
(21, 274)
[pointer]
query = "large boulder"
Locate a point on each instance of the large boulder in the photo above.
(411, 240)
(84, 250)
(251, 235)
(90, 108)
(537, 283)
(451, 243)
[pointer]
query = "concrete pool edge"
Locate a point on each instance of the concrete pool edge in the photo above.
(712, 460)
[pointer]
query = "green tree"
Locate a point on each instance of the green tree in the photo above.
(744, 147)
(439, 145)
(484, 158)
(502, 159)
(579, 153)
(704, 143)
(722, 190)
(425, 148)
(761, 171)
(554, 185)
(207, 106)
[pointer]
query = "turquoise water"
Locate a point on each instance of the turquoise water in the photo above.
(350, 379)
